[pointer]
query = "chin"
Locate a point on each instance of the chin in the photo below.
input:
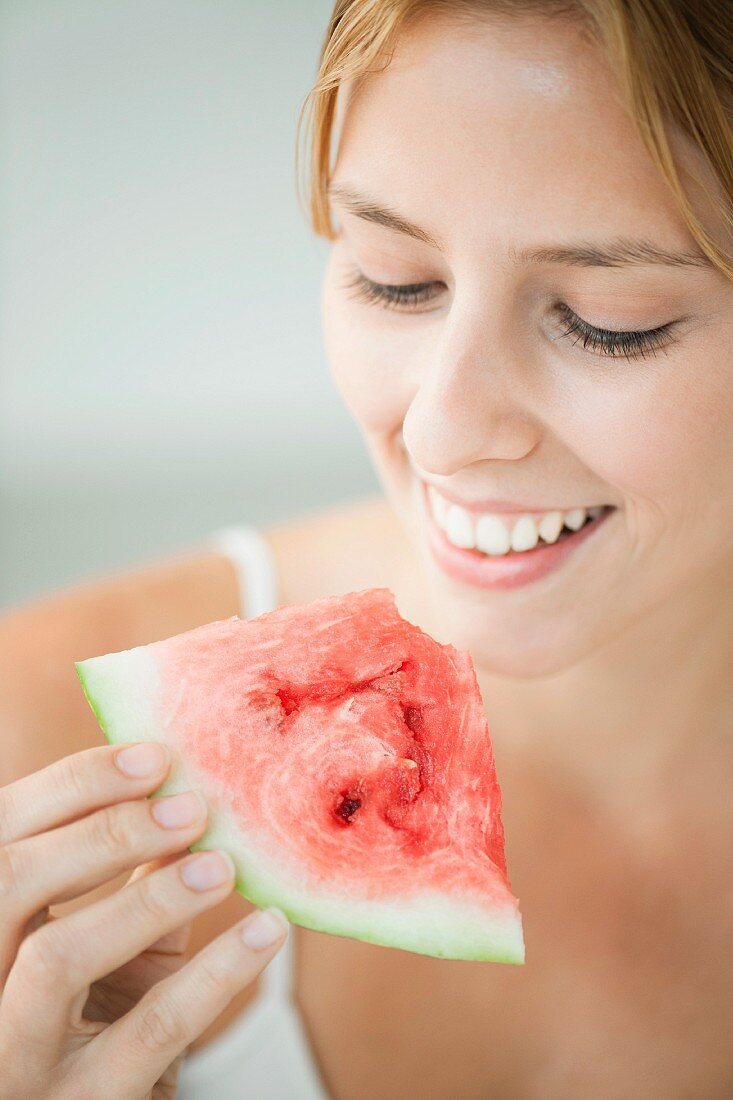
(524, 646)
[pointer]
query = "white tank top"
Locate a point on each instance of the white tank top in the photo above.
(264, 1054)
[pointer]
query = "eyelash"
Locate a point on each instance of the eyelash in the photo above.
(387, 295)
(612, 342)
(603, 341)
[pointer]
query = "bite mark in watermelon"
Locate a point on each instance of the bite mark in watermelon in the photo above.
(345, 758)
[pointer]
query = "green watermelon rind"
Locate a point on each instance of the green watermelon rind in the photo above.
(428, 924)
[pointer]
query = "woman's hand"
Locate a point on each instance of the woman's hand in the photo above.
(98, 1003)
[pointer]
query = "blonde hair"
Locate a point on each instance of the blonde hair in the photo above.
(673, 58)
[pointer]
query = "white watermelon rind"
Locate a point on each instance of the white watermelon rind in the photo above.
(122, 688)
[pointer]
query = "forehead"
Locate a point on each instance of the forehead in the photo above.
(514, 127)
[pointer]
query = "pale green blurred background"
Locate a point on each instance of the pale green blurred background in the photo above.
(161, 355)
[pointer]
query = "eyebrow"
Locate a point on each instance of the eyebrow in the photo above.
(621, 252)
(366, 208)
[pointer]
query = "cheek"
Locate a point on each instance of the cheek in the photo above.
(663, 439)
(368, 357)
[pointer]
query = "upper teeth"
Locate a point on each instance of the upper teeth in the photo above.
(459, 528)
(497, 534)
(492, 536)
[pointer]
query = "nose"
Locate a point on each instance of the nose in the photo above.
(470, 405)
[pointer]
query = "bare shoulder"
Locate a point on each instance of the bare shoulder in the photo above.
(43, 712)
(356, 545)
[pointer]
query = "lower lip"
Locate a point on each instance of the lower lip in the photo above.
(508, 570)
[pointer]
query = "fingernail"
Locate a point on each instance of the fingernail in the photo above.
(264, 928)
(207, 870)
(177, 810)
(141, 761)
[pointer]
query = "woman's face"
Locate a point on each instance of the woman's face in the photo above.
(561, 345)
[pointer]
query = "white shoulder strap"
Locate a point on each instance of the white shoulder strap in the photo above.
(254, 565)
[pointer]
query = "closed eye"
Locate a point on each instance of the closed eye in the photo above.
(387, 295)
(614, 343)
(627, 343)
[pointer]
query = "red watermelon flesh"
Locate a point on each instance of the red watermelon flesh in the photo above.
(345, 758)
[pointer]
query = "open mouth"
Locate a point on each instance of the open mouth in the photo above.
(504, 549)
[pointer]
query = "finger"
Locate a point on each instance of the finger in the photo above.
(140, 1046)
(57, 964)
(78, 785)
(134, 978)
(67, 862)
(172, 943)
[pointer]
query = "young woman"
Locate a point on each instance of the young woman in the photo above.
(528, 309)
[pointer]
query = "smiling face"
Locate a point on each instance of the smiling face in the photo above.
(492, 173)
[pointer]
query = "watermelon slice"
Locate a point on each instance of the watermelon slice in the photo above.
(345, 759)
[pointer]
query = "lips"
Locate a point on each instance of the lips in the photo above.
(505, 549)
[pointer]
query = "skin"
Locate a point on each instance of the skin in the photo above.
(607, 683)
